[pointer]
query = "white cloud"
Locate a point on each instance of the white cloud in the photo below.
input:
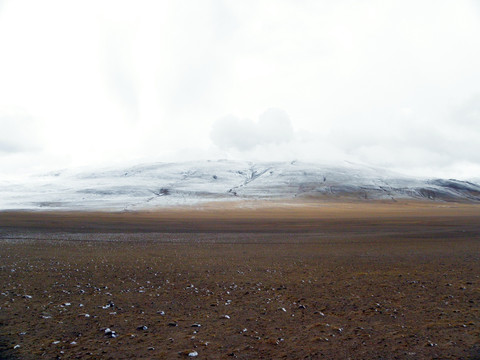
(273, 126)
(384, 82)
(18, 133)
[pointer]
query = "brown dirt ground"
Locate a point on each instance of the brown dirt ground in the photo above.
(297, 281)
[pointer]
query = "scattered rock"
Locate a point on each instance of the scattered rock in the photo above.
(172, 324)
(188, 353)
(110, 333)
(110, 304)
(142, 327)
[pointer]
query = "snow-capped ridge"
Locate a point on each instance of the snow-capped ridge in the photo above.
(164, 184)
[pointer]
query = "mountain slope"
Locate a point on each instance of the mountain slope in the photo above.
(166, 184)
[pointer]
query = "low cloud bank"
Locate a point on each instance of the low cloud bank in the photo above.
(273, 127)
(406, 141)
(18, 133)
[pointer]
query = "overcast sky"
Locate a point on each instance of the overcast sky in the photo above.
(390, 83)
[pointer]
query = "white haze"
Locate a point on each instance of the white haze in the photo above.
(394, 84)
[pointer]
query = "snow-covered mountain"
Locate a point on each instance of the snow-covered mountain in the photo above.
(166, 184)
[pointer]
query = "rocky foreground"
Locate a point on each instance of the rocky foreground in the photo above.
(401, 285)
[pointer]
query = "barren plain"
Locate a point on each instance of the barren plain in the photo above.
(256, 281)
